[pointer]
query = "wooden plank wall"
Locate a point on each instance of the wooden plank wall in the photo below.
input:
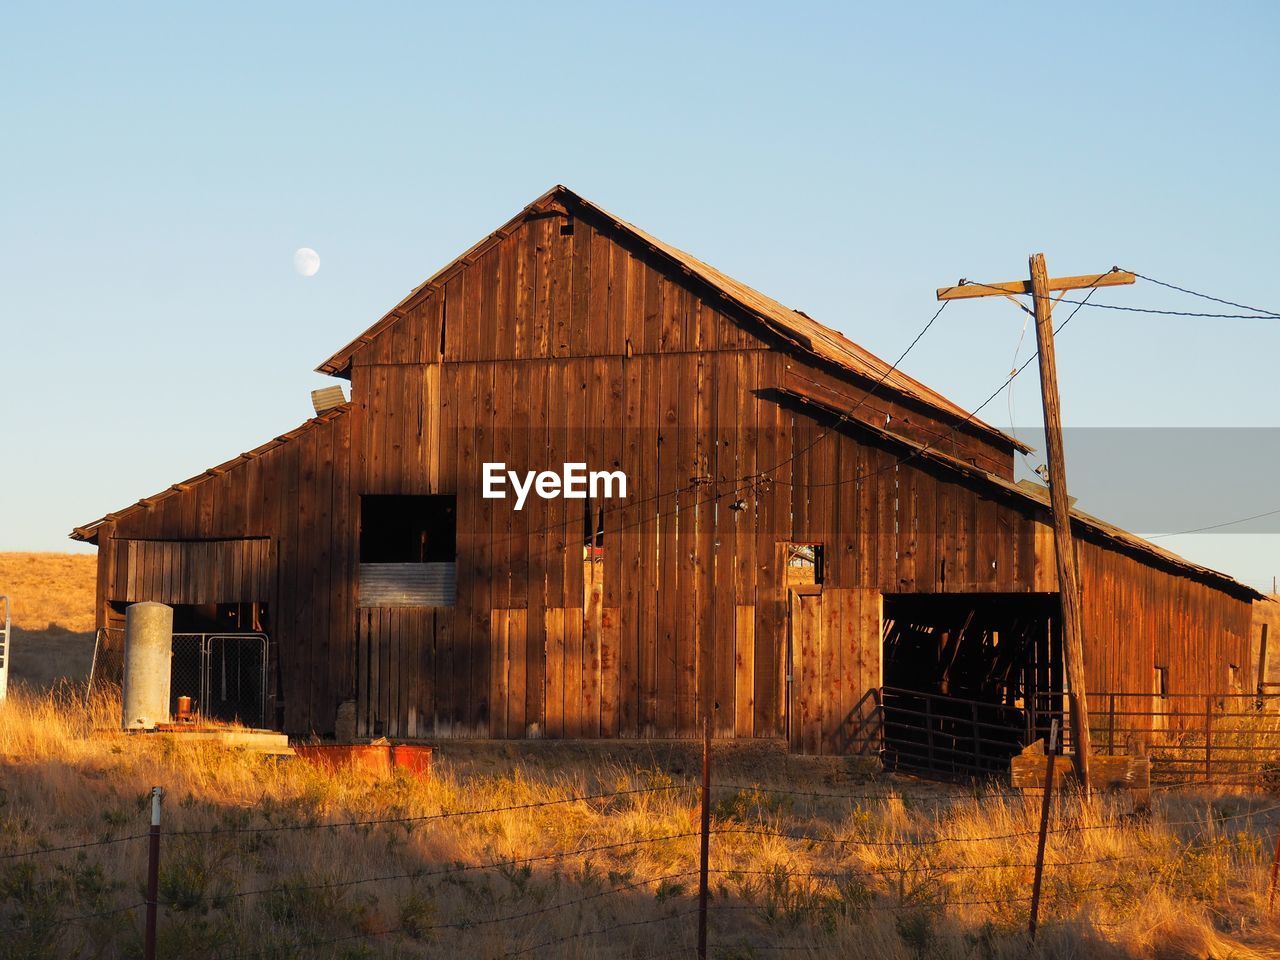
(1137, 618)
(555, 347)
(561, 345)
(835, 660)
(298, 496)
(186, 571)
(656, 634)
(1265, 657)
(398, 669)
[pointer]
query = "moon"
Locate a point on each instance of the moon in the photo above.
(306, 261)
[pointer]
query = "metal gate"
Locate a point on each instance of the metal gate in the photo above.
(224, 674)
(931, 733)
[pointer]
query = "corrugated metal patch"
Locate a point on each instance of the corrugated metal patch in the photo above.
(408, 584)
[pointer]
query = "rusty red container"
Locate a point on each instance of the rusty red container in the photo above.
(414, 759)
(376, 759)
(370, 758)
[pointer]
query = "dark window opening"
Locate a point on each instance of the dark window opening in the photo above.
(1162, 682)
(408, 529)
(592, 533)
(805, 563)
(592, 565)
(210, 617)
(566, 227)
(408, 551)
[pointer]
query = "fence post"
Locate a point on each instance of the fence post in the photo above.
(153, 876)
(1051, 749)
(705, 852)
(1208, 737)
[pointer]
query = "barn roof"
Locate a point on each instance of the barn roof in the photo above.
(88, 533)
(1038, 497)
(791, 325)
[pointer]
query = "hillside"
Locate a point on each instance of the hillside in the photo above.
(49, 589)
(51, 598)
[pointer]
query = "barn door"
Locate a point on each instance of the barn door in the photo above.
(834, 671)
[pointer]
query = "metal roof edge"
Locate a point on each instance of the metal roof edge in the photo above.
(87, 533)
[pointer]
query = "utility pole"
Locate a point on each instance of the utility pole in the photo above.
(1041, 287)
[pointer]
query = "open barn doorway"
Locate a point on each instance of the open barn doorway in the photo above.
(968, 679)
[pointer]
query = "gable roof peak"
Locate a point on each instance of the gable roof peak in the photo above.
(792, 326)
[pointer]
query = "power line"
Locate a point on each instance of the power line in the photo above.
(1176, 313)
(1202, 296)
(1258, 314)
(849, 413)
(1215, 526)
(954, 427)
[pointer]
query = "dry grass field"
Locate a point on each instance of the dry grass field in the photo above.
(50, 589)
(52, 596)
(273, 858)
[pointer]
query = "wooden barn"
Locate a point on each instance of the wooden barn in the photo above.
(803, 529)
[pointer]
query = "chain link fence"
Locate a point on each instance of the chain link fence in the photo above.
(224, 674)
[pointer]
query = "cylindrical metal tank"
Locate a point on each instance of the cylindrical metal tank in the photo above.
(148, 652)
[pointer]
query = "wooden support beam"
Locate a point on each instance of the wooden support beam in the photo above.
(968, 289)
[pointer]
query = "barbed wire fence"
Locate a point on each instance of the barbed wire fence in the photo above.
(691, 895)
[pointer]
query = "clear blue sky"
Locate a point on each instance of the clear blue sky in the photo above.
(160, 166)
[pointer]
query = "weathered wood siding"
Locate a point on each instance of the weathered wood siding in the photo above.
(298, 496)
(1137, 617)
(541, 294)
(836, 660)
(186, 571)
(556, 346)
